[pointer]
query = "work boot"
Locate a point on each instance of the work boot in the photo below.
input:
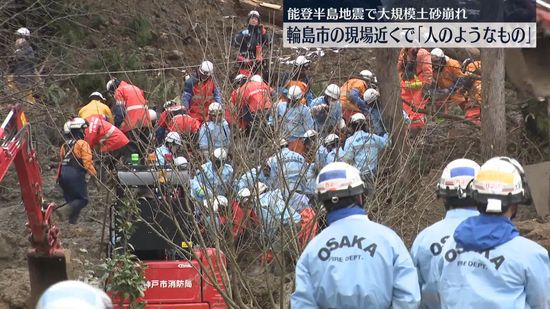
(64, 212)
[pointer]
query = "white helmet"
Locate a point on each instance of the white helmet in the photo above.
(333, 91)
(152, 115)
(173, 137)
(97, 94)
(342, 124)
(24, 32)
(338, 180)
(215, 108)
(244, 193)
(76, 123)
(206, 68)
(331, 139)
(500, 182)
(370, 95)
(254, 13)
(257, 78)
(73, 294)
(216, 203)
(310, 133)
(180, 161)
(169, 103)
(239, 78)
(437, 52)
(366, 74)
(357, 117)
(283, 142)
(112, 84)
(456, 177)
(295, 93)
(67, 127)
(301, 60)
(220, 154)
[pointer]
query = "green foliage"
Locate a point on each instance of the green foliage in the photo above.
(139, 29)
(124, 273)
(54, 93)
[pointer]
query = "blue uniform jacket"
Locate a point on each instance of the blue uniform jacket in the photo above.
(355, 263)
(288, 169)
(294, 121)
(326, 120)
(428, 245)
(214, 135)
(361, 150)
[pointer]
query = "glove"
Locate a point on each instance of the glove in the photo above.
(415, 84)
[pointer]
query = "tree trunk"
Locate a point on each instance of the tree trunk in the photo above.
(493, 111)
(390, 97)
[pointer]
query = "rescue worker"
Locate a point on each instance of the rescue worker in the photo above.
(448, 78)
(169, 150)
(487, 264)
(76, 162)
(311, 144)
(361, 149)
(199, 91)
(415, 73)
(215, 133)
(131, 112)
(354, 262)
(299, 77)
(20, 79)
(109, 138)
(70, 294)
(234, 109)
(371, 99)
(326, 110)
(96, 107)
(253, 100)
(294, 119)
(253, 176)
(329, 152)
(186, 126)
(214, 177)
(287, 169)
(472, 87)
(453, 189)
(351, 94)
(252, 41)
(164, 120)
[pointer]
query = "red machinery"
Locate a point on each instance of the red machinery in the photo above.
(46, 259)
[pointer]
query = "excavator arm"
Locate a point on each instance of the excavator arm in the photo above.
(46, 258)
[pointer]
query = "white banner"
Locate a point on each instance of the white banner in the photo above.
(396, 35)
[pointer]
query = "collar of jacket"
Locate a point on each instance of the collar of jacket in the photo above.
(461, 213)
(484, 232)
(342, 213)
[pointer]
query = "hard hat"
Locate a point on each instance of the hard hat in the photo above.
(310, 133)
(215, 108)
(244, 193)
(499, 183)
(333, 91)
(331, 138)
(169, 103)
(456, 177)
(67, 127)
(239, 78)
(253, 13)
(206, 68)
(342, 124)
(173, 137)
(301, 60)
(216, 203)
(23, 32)
(260, 188)
(294, 93)
(220, 154)
(180, 161)
(283, 142)
(257, 78)
(152, 114)
(370, 95)
(97, 94)
(437, 52)
(366, 74)
(337, 180)
(72, 294)
(357, 117)
(78, 123)
(112, 84)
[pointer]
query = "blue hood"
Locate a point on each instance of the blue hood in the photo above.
(342, 213)
(484, 232)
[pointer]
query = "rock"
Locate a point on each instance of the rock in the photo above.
(7, 246)
(175, 55)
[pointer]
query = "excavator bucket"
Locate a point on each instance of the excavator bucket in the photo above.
(45, 271)
(538, 178)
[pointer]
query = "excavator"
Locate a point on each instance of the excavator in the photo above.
(46, 258)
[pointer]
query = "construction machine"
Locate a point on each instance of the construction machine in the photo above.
(46, 258)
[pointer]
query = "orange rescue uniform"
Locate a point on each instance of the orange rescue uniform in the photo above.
(348, 107)
(137, 112)
(102, 133)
